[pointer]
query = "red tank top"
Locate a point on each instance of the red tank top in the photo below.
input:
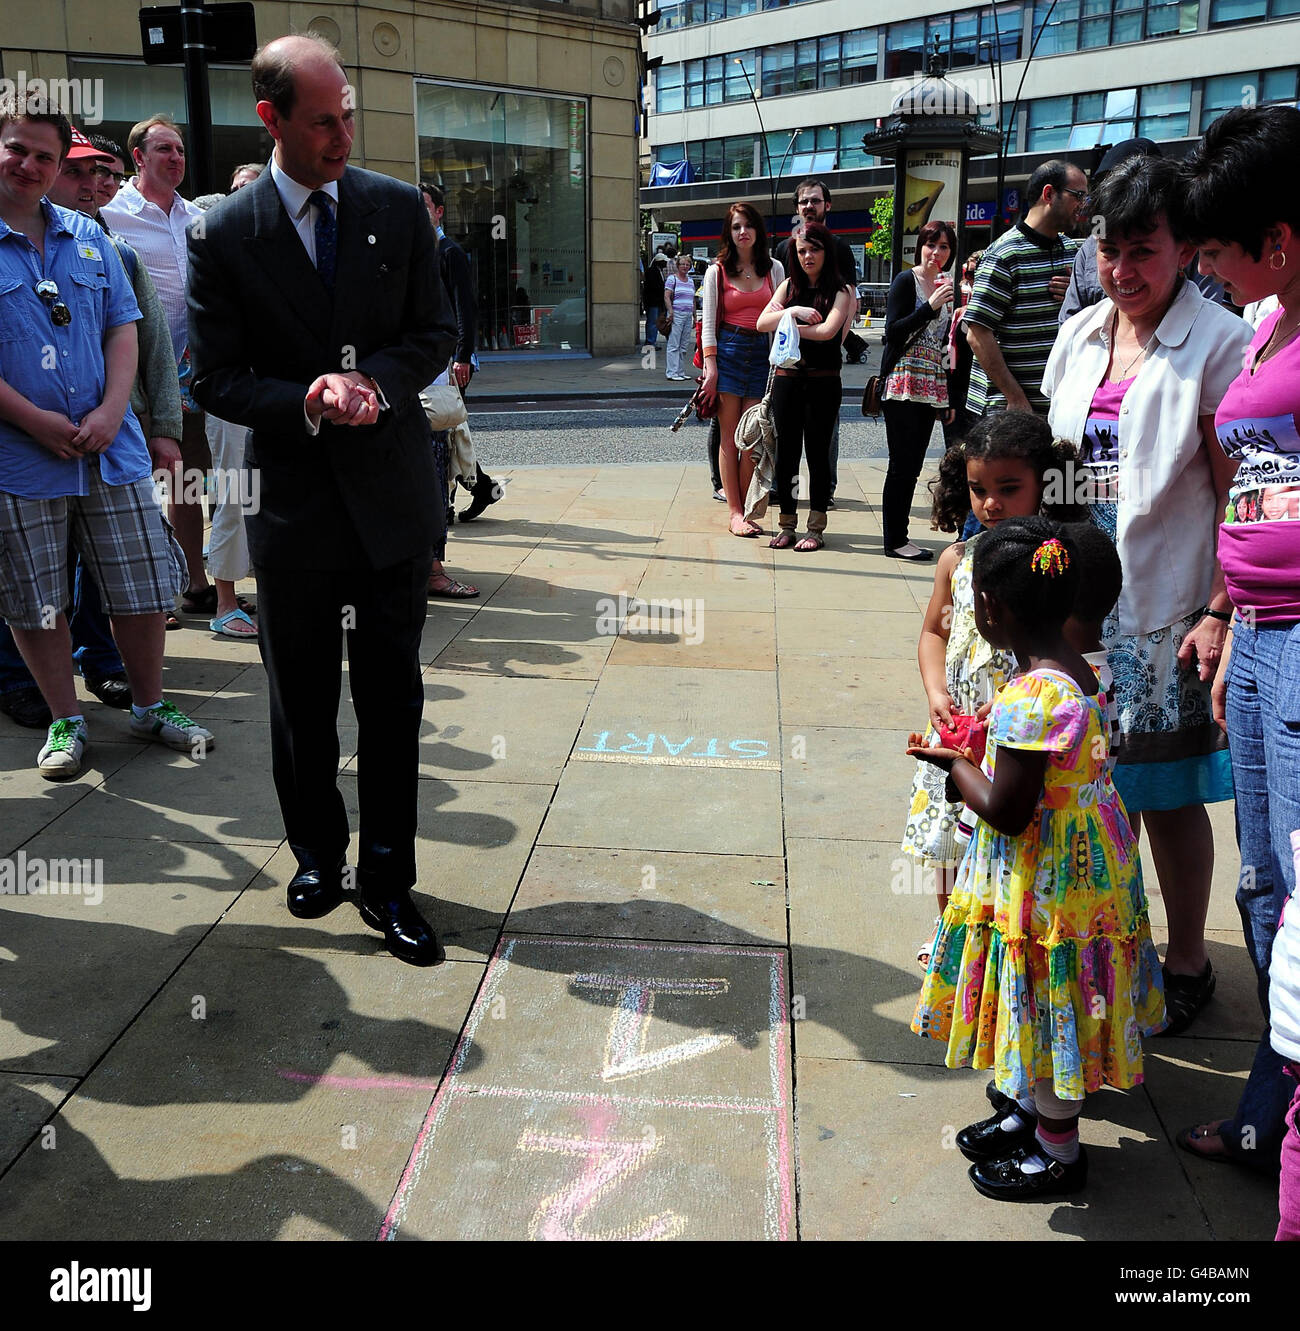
(742, 308)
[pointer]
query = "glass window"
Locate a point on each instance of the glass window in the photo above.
(737, 7)
(1061, 32)
(521, 157)
(669, 90)
(1226, 12)
(713, 69)
(672, 153)
(1165, 111)
(738, 157)
(711, 159)
(734, 86)
(1223, 93)
(695, 83)
(1278, 85)
(1003, 31)
(778, 70)
(964, 48)
(903, 54)
(805, 66)
(851, 151)
(1050, 122)
(1086, 135)
(858, 56)
(1283, 8)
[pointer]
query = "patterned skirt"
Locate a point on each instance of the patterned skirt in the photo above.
(1171, 752)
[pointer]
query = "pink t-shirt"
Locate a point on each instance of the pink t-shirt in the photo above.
(1259, 540)
(1099, 447)
(740, 308)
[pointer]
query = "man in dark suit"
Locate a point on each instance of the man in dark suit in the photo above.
(316, 316)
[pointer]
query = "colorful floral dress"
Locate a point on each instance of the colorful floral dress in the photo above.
(976, 671)
(1044, 965)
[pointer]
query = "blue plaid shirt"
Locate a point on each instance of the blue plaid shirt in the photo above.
(62, 369)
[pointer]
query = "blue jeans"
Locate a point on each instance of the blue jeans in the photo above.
(1263, 706)
(652, 323)
(93, 646)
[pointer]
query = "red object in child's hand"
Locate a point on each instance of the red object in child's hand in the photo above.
(966, 732)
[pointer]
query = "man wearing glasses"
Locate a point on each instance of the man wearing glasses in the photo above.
(1011, 320)
(73, 457)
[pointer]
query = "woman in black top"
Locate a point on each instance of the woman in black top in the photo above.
(806, 398)
(916, 388)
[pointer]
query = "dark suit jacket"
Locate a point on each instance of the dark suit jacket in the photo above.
(263, 327)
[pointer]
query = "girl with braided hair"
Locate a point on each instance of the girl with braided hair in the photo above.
(1043, 968)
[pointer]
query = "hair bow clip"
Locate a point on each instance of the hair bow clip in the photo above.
(1050, 558)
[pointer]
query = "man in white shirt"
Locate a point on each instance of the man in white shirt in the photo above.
(150, 215)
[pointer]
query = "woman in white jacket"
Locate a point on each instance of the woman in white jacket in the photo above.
(1134, 381)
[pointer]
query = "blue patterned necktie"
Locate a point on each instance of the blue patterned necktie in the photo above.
(327, 239)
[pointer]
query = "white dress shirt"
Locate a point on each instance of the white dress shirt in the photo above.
(297, 203)
(161, 240)
(1168, 508)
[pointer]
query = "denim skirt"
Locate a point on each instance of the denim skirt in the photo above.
(742, 363)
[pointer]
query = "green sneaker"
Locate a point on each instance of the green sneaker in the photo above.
(168, 725)
(60, 759)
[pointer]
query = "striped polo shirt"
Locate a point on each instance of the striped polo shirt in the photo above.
(1011, 298)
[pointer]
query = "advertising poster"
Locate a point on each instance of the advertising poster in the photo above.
(932, 184)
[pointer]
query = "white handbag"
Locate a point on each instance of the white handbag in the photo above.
(443, 406)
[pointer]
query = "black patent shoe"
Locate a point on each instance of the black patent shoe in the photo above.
(112, 690)
(999, 1101)
(485, 491)
(988, 1140)
(1005, 1181)
(314, 892)
(406, 933)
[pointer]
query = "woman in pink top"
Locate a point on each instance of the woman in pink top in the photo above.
(737, 288)
(1240, 201)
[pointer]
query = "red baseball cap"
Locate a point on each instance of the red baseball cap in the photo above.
(83, 149)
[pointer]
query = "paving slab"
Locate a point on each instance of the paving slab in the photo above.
(26, 1102)
(889, 635)
(289, 1104)
(719, 640)
(30, 802)
(853, 947)
(81, 965)
(635, 1091)
(229, 796)
(858, 691)
(877, 1161)
(652, 894)
(486, 728)
(846, 783)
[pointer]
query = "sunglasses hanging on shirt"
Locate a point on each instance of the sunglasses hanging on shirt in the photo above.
(49, 294)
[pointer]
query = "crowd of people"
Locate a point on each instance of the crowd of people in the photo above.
(1112, 642)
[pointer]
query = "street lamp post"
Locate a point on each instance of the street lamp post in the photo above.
(753, 97)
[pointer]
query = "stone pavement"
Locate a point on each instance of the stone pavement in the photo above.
(645, 851)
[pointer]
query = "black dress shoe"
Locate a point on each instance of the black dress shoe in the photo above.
(996, 1098)
(314, 892)
(27, 707)
(485, 491)
(406, 934)
(1005, 1181)
(112, 690)
(988, 1140)
(920, 557)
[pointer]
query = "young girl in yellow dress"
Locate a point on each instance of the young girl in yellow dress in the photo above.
(1043, 968)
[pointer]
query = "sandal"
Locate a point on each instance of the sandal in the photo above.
(169, 620)
(199, 603)
(809, 543)
(453, 591)
(1205, 1132)
(1185, 996)
(783, 540)
(221, 624)
(926, 950)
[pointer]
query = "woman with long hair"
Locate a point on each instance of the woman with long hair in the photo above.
(916, 387)
(737, 288)
(806, 397)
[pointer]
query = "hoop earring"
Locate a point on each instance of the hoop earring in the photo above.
(1277, 254)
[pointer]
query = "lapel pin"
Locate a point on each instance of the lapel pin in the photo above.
(370, 239)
